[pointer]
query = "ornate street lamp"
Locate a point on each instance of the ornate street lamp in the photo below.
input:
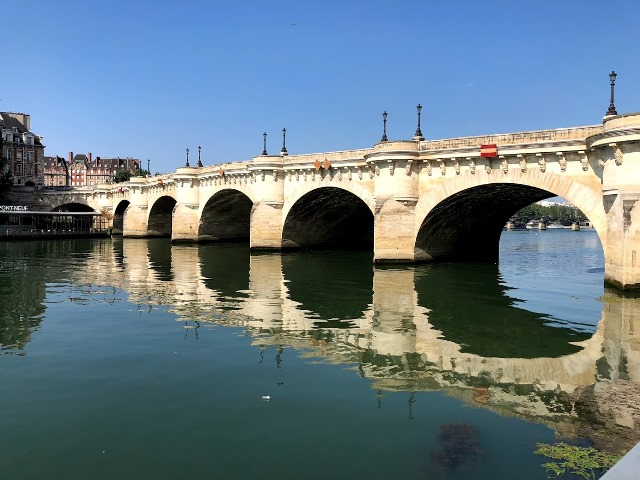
(418, 135)
(199, 162)
(612, 107)
(264, 142)
(187, 164)
(284, 137)
(384, 127)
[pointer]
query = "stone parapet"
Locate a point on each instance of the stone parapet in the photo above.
(534, 136)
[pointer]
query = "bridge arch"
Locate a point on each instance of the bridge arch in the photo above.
(463, 217)
(329, 217)
(226, 217)
(73, 207)
(118, 217)
(160, 221)
(363, 194)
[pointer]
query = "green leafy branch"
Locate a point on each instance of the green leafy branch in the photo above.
(586, 462)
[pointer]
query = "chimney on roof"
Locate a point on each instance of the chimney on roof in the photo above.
(89, 158)
(70, 157)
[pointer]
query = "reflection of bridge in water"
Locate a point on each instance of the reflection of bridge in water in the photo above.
(397, 335)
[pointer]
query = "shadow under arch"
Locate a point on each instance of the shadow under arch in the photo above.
(468, 224)
(487, 322)
(318, 282)
(72, 207)
(226, 217)
(329, 218)
(118, 217)
(160, 221)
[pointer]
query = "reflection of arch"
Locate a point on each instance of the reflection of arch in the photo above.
(159, 255)
(225, 269)
(328, 217)
(161, 217)
(226, 217)
(463, 218)
(492, 325)
(317, 282)
(118, 217)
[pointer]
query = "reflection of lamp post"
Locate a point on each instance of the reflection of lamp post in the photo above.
(612, 107)
(187, 164)
(284, 137)
(264, 141)
(199, 162)
(418, 135)
(384, 128)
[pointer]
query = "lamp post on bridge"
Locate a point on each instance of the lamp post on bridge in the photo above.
(612, 107)
(283, 152)
(264, 142)
(384, 127)
(187, 164)
(418, 136)
(148, 167)
(199, 162)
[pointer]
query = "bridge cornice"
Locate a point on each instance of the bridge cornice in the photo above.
(622, 135)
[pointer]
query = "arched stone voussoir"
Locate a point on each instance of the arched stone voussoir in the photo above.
(209, 194)
(363, 194)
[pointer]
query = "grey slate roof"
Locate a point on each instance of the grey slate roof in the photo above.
(11, 123)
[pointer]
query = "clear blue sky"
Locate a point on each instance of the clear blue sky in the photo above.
(148, 79)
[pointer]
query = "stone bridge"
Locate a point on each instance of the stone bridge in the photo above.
(407, 200)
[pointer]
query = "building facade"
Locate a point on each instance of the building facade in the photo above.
(56, 172)
(84, 170)
(23, 149)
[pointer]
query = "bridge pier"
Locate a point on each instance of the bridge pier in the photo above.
(185, 216)
(394, 232)
(266, 213)
(185, 220)
(266, 226)
(396, 166)
(134, 223)
(618, 150)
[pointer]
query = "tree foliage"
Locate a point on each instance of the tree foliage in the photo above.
(585, 462)
(122, 176)
(560, 213)
(6, 179)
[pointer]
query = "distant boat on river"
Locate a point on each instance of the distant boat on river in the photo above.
(555, 225)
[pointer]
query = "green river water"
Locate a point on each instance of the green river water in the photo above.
(135, 359)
